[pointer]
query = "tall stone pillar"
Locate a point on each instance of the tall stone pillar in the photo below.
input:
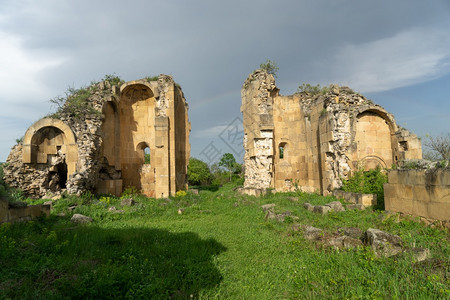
(162, 157)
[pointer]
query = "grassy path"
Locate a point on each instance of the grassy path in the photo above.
(220, 247)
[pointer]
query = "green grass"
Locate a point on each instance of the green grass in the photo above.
(219, 247)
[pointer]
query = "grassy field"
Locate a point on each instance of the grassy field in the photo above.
(220, 246)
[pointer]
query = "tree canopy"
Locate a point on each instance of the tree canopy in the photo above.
(198, 172)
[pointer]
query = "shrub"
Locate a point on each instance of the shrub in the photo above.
(367, 182)
(113, 79)
(130, 192)
(270, 67)
(180, 194)
(198, 172)
(307, 88)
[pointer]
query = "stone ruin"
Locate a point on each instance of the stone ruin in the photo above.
(102, 149)
(311, 141)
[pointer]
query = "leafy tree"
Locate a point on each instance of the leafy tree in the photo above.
(198, 172)
(229, 162)
(270, 67)
(438, 147)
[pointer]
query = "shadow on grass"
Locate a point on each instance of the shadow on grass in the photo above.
(98, 263)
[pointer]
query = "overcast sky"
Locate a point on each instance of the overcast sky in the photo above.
(395, 52)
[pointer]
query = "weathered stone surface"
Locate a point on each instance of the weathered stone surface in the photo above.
(419, 254)
(322, 209)
(420, 192)
(308, 206)
(271, 215)
(355, 207)
(312, 233)
(296, 227)
(99, 146)
(80, 219)
(336, 206)
(342, 242)
(384, 244)
(310, 141)
(127, 202)
(352, 232)
(267, 207)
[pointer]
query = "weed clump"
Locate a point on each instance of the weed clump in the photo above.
(367, 182)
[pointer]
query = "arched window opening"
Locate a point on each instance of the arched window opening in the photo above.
(147, 155)
(143, 151)
(282, 150)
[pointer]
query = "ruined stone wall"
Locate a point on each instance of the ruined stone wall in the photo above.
(101, 148)
(312, 141)
(182, 146)
(419, 192)
(257, 101)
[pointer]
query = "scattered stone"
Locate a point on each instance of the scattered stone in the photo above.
(57, 197)
(112, 208)
(80, 219)
(194, 191)
(293, 199)
(322, 209)
(235, 204)
(336, 206)
(312, 233)
(270, 215)
(419, 254)
(308, 206)
(356, 207)
(383, 244)
(342, 242)
(71, 208)
(61, 214)
(127, 202)
(267, 207)
(295, 227)
(352, 232)
(181, 211)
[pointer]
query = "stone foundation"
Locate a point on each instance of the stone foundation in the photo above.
(423, 193)
(356, 198)
(22, 213)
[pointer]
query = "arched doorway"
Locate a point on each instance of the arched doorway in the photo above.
(137, 126)
(373, 140)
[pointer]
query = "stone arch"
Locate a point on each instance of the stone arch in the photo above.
(49, 137)
(374, 130)
(111, 132)
(137, 130)
(140, 148)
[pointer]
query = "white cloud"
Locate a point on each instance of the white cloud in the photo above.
(407, 58)
(21, 68)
